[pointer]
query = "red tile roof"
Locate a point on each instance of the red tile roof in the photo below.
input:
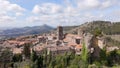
(78, 46)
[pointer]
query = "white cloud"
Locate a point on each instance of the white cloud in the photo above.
(87, 4)
(19, 14)
(85, 10)
(15, 8)
(6, 18)
(36, 9)
(96, 4)
(5, 5)
(33, 19)
(9, 11)
(47, 8)
(106, 4)
(50, 13)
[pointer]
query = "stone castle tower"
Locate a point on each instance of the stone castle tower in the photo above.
(60, 35)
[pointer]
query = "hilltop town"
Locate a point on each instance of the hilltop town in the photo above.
(57, 43)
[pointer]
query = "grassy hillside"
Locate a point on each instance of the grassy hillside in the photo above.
(115, 37)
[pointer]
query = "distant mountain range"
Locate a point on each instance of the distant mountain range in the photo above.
(106, 26)
(14, 32)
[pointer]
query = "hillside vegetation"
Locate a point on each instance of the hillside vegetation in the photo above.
(115, 37)
(106, 27)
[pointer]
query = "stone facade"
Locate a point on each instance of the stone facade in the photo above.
(101, 42)
(60, 33)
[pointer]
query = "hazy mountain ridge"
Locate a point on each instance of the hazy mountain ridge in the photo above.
(106, 26)
(25, 31)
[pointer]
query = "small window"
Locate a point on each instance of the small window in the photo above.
(78, 41)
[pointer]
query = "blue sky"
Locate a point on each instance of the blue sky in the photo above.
(21, 13)
(29, 4)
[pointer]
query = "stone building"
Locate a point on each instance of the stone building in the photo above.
(101, 42)
(60, 33)
(58, 50)
(94, 44)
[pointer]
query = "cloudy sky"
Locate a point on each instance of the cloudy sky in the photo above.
(20, 13)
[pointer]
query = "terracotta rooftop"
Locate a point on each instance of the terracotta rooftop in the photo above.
(72, 35)
(78, 46)
(40, 37)
(17, 50)
(17, 42)
(38, 48)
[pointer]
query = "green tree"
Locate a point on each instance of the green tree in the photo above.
(17, 58)
(6, 57)
(26, 50)
(45, 58)
(34, 56)
(97, 32)
(103, 56)
(74, 66)
(84, 56)
(38, 63)
(113, 58)
(52, 64)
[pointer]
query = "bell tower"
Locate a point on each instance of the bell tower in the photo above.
(60, 33)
